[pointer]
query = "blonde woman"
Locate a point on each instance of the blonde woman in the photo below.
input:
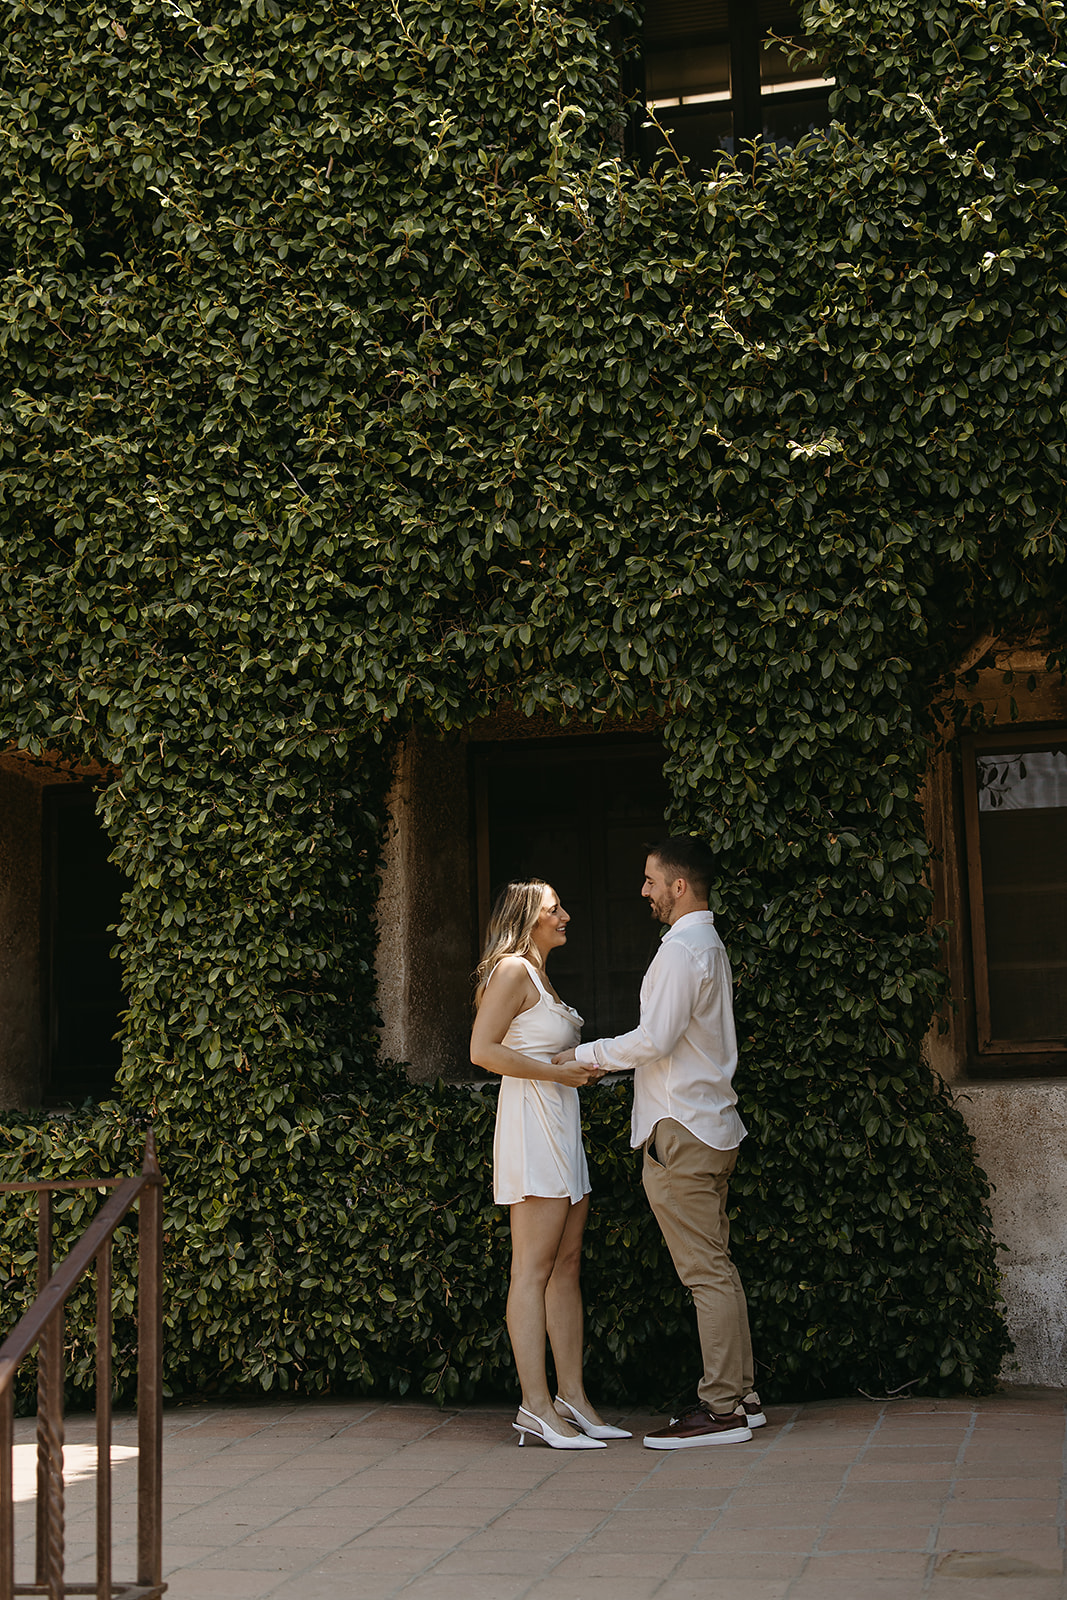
(539, 1166)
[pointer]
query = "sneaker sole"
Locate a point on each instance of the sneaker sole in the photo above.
(728, 1436)
(758, 1420)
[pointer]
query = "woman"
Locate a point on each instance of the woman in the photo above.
(539, 1166)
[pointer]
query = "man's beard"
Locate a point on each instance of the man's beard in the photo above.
(660, 912)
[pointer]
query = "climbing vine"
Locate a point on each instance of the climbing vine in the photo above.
(355, 380)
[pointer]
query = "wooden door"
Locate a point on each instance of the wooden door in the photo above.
(580, 815)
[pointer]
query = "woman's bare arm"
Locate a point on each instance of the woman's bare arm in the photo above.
(510, 992)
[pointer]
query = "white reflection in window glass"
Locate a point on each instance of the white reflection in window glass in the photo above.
(1032, 780)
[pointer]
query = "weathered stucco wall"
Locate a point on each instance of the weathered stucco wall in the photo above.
(425, 918)
(1021, 1132)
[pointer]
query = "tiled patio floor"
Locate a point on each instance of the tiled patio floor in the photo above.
(361, 1500)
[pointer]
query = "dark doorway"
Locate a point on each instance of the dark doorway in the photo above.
(83, 981)
(579, 815)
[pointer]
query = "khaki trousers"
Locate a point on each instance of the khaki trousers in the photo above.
(686, 1183)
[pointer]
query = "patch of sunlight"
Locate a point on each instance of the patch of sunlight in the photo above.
(79, 1462)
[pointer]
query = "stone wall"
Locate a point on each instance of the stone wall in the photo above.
(1021, 1132)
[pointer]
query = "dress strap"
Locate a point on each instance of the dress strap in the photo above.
(531, 969)
(536, 977)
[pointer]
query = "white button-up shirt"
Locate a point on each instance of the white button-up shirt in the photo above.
(683, 1052)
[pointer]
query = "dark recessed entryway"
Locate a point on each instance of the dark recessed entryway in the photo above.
(82, 980)
(581, 815)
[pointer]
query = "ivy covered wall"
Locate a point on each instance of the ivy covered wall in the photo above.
(355, 381)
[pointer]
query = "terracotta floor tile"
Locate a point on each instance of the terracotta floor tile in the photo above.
(861, 1565)
(911, 1514)
(724, 1589)
(804, 1514)
(313, 1586)
(973, 1565)
(440, 1586)
(552, 1588)
(535, 1520)
(994, 1589)
(291, 1536)
(587, 1563)
(923, 1455)
(1009, 1510)
(771, 1541)
(512, 1563)
(1033, 1544)
(199, 1583)
(854, 1536)
(717, 1563)
(357, 1558)
(812, 1586)
(616, 1538)
(877, 1470)
(264, 1558)
(1006, 1487)
(900, 1493)
(544, 1541)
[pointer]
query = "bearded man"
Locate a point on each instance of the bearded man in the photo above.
(683, 1055)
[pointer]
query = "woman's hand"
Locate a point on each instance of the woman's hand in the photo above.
(567, 1061)
(574, 1073)
(511, 992)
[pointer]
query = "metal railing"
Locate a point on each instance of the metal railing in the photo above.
(42, 1325)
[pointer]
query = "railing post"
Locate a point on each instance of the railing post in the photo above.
(7, 1494)
(150, 1372)
(50, 1385)
(44, 1272)
(103, 1423)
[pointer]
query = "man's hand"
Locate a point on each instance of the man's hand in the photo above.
(574, 1073)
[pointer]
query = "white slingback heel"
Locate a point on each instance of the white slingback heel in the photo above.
(557, 1441)
(593, 1430)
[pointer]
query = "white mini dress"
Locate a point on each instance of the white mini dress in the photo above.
(537, 1147)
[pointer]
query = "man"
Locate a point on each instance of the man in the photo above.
(683, 1054)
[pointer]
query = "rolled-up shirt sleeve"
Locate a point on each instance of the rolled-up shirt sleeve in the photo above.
(669, 997)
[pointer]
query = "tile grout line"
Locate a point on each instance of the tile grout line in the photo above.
(473, 1534)
(655, 1468)
(411, 1578)
(370, 1467)
(842, 1486)
(931, 1564)
(786, 1428)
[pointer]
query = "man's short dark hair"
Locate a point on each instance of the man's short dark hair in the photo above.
(682, 856)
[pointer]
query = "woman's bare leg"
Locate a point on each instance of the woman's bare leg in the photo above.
(537, 1229)
(564, 1314)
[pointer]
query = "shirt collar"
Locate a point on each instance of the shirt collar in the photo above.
(692, 919)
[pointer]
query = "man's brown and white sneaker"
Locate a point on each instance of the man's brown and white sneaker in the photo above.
(697, 1427)
(751, 1408)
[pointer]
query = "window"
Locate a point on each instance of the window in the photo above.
(83, 980)
(1015, 810)
(712, 80)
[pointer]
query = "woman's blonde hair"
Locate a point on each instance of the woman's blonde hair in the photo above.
(511, 926)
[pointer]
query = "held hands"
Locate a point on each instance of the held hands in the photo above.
(573, 1073)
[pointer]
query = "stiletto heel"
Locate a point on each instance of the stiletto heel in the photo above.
(592, 1430)
(548, 1435)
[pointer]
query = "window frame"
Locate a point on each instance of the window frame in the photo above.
(987, 1052)
(745, 102)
